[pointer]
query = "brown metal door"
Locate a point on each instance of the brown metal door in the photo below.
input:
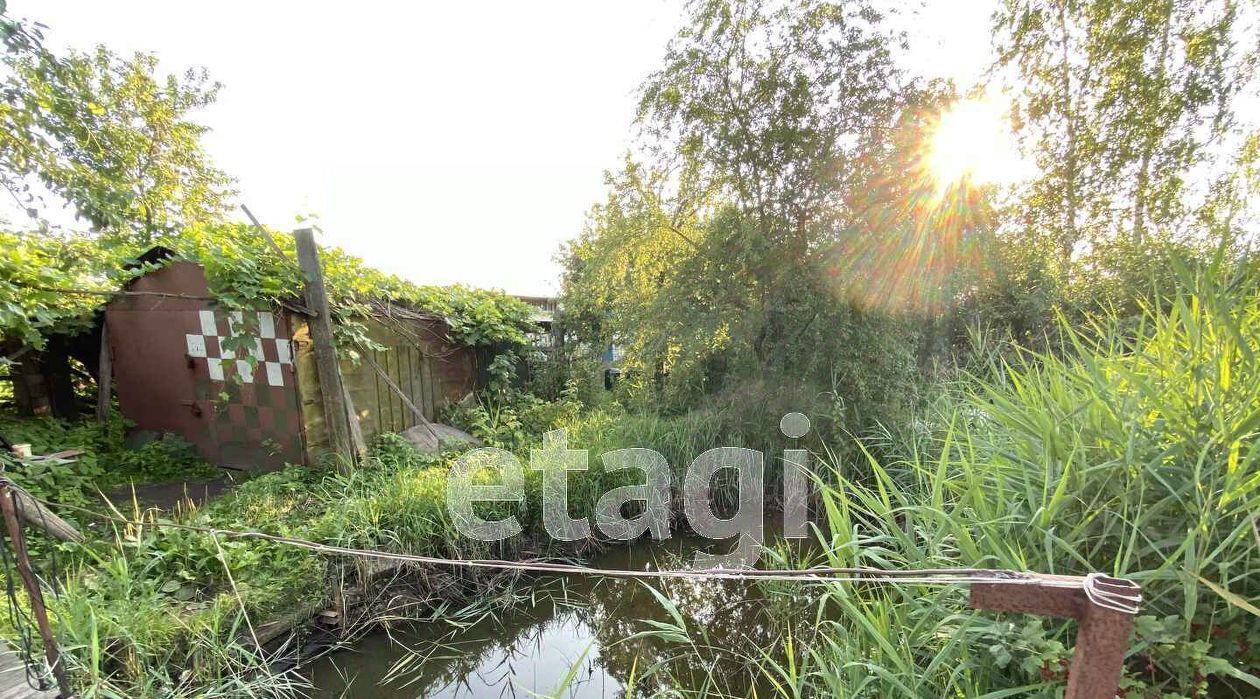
(177, 370)
(161, 386)
(252, 385)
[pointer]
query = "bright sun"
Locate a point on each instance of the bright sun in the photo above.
(973, 142)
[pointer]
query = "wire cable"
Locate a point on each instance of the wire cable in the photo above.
(38, 679)
(928, 576)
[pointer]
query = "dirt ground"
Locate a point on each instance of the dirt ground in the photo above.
(169, 495)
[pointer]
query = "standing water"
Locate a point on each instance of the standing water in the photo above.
(575, 636)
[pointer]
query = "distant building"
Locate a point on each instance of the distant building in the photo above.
(545, 309)
(549, 334)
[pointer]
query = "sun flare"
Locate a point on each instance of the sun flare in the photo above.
(973, 143)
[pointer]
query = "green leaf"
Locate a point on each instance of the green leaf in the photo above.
(1230, 597)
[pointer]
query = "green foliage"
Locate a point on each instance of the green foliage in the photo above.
(513, 420)
(1029, 647)
(152, 612)
(773, 213)
(29, 313)
(157, 616)
(109, 136)
(1130, 111)
(166, 612)
(166, 458)
(245, 272)
(71, 483)
(772, 244)
(105, 462)
(1118, 100)
(713, 262)
(1020, 470)
(477, 317)
(393, 451)
(1135, 455)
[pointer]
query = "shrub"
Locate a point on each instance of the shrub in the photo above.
(105, 460)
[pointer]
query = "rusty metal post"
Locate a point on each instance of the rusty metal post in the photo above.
(1103, 635)
(22, 560)
(1102, 639)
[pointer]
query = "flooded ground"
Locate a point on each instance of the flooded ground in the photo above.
(571, 637)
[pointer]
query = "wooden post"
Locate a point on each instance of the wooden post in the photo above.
(104, 378)
(1102, 639)
(336, 415)
(1103, 636)
(42, 518)
(8, 503)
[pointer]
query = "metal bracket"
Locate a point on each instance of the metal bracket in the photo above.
(1104, 608)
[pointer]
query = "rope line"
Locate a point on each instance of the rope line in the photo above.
(925, 576)
(1110, 593)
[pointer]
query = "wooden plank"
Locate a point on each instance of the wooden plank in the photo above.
(310, 398)
(356, 429)
(428, 391)
(32, 513)
(13, 679)
(34, 595)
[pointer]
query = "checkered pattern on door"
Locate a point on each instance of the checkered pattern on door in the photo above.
(248, 382)
(268, 352)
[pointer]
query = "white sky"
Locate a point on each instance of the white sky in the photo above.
(444, 142)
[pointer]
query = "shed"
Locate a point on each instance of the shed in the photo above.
(242, 386)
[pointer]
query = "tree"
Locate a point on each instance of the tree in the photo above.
(1121, 101)
(106, 134)
(777, 103)
(712, 263)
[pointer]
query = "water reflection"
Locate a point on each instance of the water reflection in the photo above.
(592, 628)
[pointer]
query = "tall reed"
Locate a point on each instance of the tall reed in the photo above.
(1132, 453)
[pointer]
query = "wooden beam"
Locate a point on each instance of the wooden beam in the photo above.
(104, 378)
(323, 344)
(356, 428)
(1102, 639)
(275, 247)
(118, 292)
(36, 515)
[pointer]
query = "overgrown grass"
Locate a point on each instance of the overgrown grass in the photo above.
(151, 611)
(1132, 453)
(104, 460)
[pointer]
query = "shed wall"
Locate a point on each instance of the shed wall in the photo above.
(224, 382)
(429, 369)
(243, 387)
